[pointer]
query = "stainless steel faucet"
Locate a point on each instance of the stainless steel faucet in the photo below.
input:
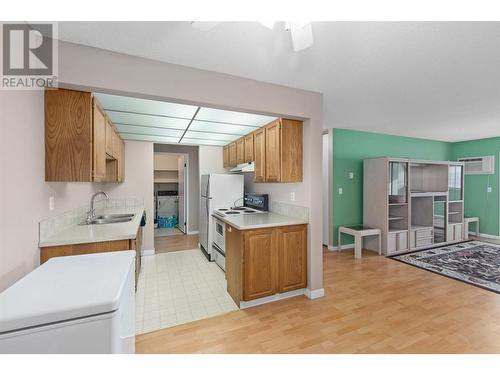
(91, 213)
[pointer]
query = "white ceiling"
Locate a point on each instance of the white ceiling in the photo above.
(438, 80)
(163, 122)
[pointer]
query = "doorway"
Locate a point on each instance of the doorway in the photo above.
(170, 194)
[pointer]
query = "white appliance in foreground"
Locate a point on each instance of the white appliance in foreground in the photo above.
(217, 190)
(74, 304)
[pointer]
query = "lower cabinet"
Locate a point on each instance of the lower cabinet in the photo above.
(264, 262)
(96, 247)
(397, 241)
(454, 232)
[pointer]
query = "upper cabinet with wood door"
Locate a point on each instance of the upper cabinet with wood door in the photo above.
(248, 148)
(232, 154)
(81, 144)
(276, 150)
(259, 154)
(225, 156)
(240, 150)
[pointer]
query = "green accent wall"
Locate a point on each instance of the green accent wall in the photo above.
(351, 147)
(478, 202)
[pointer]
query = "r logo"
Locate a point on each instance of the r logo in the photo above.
(27, 49)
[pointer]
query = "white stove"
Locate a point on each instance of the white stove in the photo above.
(233, 211)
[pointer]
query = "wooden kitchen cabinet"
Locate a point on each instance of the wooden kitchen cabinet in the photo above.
(99, 142)
(292, 257)
(273, 151)
(248, 148)
(232, 154)
(259, 146)
(283, 161)
(260, 264)
(79, 139)
(240, 150)
(264, 262)
(96, 247)
(225, 156)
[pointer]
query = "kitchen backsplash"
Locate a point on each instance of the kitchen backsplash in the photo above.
(56, 224)
(286, 209)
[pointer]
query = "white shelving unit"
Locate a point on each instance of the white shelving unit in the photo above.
(409, 200)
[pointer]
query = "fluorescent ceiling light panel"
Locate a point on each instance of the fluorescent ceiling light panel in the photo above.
(152, 107)
(220, 128)
(145, 130)
(147, 120)
(206, 142)
(230, 117)
(149, 138)
(211, 136)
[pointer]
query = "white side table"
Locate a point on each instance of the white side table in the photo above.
(467, 220)
(358, 232)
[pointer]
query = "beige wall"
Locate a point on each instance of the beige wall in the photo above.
(210, 160)
(24, 194)
(93, 69)
(138, 183)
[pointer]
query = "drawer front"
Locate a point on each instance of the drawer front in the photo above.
(391, 243)
(424, 242)
(423, 233)
(402, 241)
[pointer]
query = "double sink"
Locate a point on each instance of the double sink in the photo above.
(110, 219)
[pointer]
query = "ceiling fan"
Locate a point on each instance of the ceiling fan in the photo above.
(301, 32)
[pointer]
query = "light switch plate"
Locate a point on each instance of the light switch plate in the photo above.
(51, 203)
(292, 196)
(351, 175)
(489, 189)
(341, 191)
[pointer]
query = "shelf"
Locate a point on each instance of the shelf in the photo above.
(454, 213)
(167, 170)
(166, 180)
(428, 194)
(397, 218)
(461, 201)
(398, 204)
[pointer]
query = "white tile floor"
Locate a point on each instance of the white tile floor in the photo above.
(162, 232)
(179, 287)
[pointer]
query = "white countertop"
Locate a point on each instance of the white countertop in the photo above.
(256, 221)
(79, 233)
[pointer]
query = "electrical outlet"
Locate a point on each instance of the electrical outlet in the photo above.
(292, 196)
(351, 175)
(341, 191)
(489, 189)
(51, 203)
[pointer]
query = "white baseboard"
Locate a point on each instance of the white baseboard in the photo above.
(345, 247)
(193, 232)
(273, 298)
(148, 252)
(316, 293)
(489, 236)
(332, 248)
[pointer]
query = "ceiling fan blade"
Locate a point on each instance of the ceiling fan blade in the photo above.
(302, 36)
(204, 26)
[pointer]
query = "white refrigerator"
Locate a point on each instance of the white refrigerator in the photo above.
(76, 304)
(217, 191)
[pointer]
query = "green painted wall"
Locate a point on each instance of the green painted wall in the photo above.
(350, 148)
(478, 202)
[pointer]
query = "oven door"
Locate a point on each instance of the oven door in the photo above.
(219, 234)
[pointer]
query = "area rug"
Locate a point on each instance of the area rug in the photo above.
(474, 262)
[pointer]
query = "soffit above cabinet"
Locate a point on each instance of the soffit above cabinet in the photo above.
(165, 122)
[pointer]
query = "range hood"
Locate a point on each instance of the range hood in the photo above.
(243, 168)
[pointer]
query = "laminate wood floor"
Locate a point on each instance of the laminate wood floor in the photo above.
(372, 305)
(178, 242)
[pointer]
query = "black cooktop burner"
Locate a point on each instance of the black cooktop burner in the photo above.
(232, 212)
(249, 211)
(238, 208)
(222, 209)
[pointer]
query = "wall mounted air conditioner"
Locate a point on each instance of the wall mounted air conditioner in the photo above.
(479, 165)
